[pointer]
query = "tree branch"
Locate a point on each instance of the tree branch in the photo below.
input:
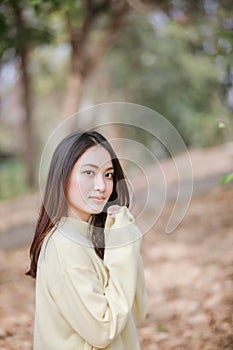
(111, 31)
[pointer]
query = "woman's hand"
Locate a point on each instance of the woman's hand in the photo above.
(118, 216)
(113, 210)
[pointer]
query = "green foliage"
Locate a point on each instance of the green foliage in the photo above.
(161, 328)
(12, 178)
(168, 69)
(226, 179)
(20, 26)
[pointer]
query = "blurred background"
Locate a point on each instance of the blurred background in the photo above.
(173, 56)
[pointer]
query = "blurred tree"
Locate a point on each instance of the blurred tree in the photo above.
(91, 27)
(20, 31)
(170, 49)
(177, 61)
(88, 45)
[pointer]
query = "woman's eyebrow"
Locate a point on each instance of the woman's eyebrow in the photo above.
(97, 167)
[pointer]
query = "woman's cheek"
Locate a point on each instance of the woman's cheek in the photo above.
(84, 185)
(110, 189)
(75, 186)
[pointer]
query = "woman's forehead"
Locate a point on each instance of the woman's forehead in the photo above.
(96, 155)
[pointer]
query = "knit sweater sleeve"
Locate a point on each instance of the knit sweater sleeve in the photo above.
(140, 300)
(99, 313)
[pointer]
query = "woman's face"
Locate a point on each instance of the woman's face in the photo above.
(91, 183)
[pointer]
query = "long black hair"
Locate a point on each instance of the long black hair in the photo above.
(54, 205)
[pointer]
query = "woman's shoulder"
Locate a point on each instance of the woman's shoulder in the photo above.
(68, 247)
(72, 235)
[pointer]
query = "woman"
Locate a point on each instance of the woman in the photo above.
(85, 254)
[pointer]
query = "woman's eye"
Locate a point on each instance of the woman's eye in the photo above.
(109, 175)
(89, 172)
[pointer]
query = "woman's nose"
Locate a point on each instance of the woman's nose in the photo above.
(99, 183)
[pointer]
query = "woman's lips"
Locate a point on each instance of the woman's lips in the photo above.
(98, 199)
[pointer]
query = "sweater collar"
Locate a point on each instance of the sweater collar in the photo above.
(74, 229)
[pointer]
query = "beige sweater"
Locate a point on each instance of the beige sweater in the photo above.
(83, 302)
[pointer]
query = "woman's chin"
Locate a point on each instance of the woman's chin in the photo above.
(97, 209)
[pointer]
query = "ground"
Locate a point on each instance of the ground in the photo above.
(189, 279)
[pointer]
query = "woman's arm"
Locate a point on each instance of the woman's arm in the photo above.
(99, 313)
(140, 301)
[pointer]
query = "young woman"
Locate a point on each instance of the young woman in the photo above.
(85, 255)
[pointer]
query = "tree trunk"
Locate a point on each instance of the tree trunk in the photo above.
(83, 60)
(28, 127)
(73, 94)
